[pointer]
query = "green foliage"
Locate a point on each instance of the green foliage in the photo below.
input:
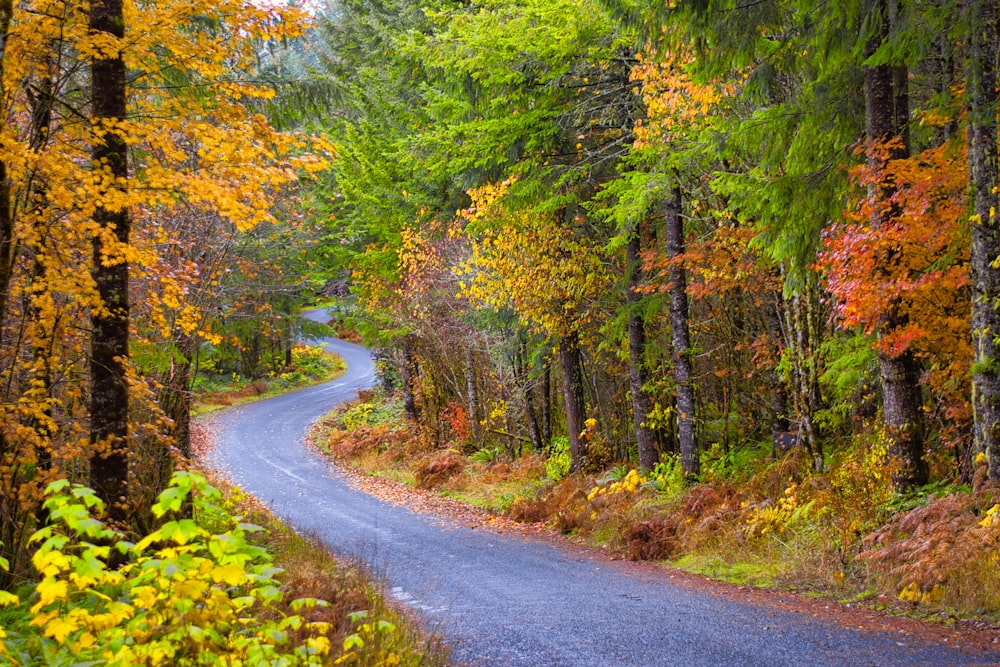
(850, 373)
(559, 461)
(615, 474)
(182, 595)
(486, 455)
(374, 412)
(717, 462)
(370, 643)
(667, 477)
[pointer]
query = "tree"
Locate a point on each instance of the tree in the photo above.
(887, 136)
(638, 374)
(982, 102)
(681, 336)
(166, 113)
(110, 315)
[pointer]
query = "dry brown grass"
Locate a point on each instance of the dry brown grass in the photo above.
(944, 553)
(437, 468)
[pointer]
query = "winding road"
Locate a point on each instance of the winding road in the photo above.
(507, 600)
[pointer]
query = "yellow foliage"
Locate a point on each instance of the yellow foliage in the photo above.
(630, 483)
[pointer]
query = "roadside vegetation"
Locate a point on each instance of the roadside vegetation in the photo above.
(218, 582)
(214, 389)
(843, 534)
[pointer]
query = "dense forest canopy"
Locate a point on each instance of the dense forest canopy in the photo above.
(772, 217)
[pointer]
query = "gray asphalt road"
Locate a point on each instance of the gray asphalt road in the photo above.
(502, 600)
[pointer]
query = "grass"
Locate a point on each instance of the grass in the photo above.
(310, 366)
(760, 574)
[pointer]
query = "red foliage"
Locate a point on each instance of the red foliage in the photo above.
(918, 261)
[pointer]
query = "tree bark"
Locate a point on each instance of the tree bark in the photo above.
(886, 118)
(773, 312)
(982, 102)
(546, 396)
(110, 271)
(681, 337)
(409, 373)
(638, 375)
(569, 358)
(6, 214)
(804, 337)
(473, 391)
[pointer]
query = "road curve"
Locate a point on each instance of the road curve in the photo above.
(504, 600)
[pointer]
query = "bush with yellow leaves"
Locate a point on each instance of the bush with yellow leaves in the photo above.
(628, 482)
(778, 517)
(180, 596)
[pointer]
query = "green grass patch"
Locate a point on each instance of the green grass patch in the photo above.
(310, 366)
(762, 574)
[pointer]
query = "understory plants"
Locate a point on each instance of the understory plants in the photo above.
(752, 519)
(309, 365)
(199, 590)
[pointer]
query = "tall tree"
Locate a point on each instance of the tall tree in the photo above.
(887, 135)
(110, 269)
(638, 373)
(683, 374)
(982, 102)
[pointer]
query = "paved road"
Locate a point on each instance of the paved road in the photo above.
(502, 600)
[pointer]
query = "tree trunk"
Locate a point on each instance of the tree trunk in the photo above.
(546, 413)
(681, 337)
(175, 397)
(982, 82)
(886, 118)
(110, 319)
(638, 376)
(773, 311)
(527, 386)
(6, 214)
(569, 358)
(804, 337)
(473, 391)
(409, 373)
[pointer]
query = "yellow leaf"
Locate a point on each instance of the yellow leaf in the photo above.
(231, 574)
(51, 590)
(59, 629)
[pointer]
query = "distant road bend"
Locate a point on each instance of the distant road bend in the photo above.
(506, 600)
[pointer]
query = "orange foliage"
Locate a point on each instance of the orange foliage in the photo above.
(920, 260)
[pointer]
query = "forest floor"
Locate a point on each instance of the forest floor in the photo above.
(981, 632)
(831, 540)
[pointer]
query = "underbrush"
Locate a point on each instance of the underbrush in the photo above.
(202, 589)
(310, 365)
(372, 434)
(751, 520)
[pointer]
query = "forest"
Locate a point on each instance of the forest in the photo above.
(690, 243)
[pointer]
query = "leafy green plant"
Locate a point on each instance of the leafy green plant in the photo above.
(559, 461)
(667, 477)
(486, 455)
(374, 412)
(180, 596)
(615, 474)
(370, 643)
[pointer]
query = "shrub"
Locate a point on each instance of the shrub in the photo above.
(438, 469)
(559, 459)
(179, 596)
